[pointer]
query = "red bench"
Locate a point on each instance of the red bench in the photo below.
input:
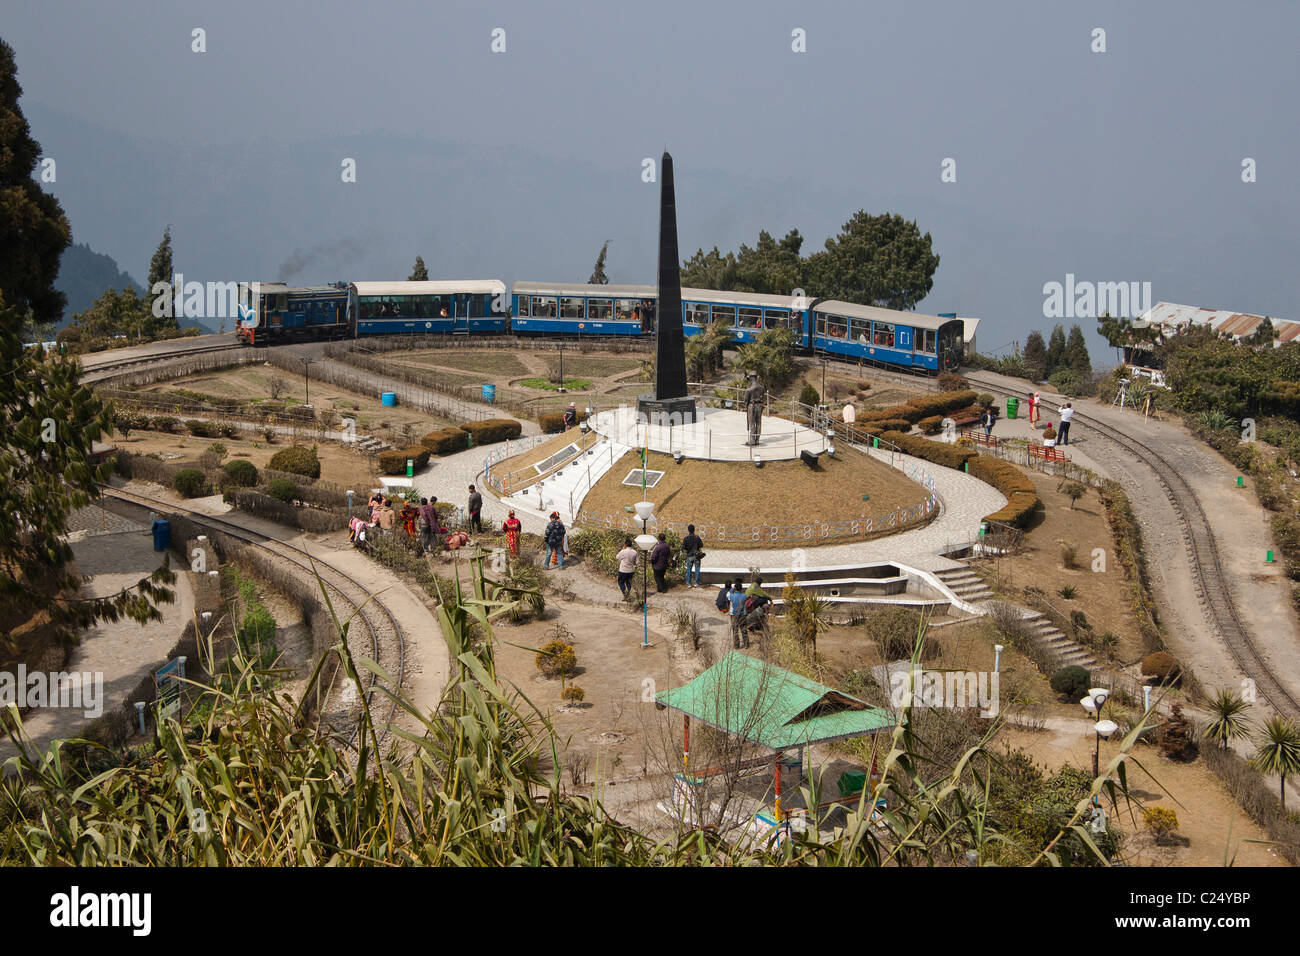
(1047, 454)
(978, 437)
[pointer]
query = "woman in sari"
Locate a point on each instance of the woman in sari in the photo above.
(513, 528)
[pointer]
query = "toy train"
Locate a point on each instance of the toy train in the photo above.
(272, 313)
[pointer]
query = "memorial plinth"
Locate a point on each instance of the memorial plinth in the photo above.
(714, 434)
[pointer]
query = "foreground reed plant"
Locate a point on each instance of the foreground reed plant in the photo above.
(259, 781)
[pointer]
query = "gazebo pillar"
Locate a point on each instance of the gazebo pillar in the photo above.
(776, 766)
(686, 743)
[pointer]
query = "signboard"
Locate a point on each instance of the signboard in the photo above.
(168, 680)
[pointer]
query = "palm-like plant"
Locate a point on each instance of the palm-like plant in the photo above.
(1277, 750)
(1227, 718)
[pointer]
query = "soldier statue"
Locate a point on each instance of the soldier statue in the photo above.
(754, 396)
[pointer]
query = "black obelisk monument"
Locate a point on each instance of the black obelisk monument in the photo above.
(670, 401)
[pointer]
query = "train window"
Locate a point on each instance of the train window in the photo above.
(571, 308)
(521, 306)
(928, 339)
(725, 313)
(860, 331)
(696, 313)
(837, 327)
(821, 325)
(599, 310)
(543, 307)
(751, 318)
(778, 319)
(281, 302)
(885, 334)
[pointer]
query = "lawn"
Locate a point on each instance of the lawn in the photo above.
(497, 363)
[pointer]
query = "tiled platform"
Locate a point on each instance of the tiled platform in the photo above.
(719, 435)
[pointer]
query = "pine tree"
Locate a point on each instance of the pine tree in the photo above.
(1035, 355)
(1075, 357)
(161, 275)
(1055, 350)
(598, 276)
(419, 273)
(33, 230)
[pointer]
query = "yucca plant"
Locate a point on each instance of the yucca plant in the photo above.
(1227, 718)
(1277, 751)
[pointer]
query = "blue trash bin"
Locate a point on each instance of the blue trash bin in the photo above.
(162, 535)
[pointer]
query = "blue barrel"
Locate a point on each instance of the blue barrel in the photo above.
(489, 392)
(388, 398)
(162, 535)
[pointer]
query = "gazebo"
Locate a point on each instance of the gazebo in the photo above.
(772, 707)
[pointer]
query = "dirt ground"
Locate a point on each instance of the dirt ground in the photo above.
(1101, 590)
(254, 383)
(781, 492)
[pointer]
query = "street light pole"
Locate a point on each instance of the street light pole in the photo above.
(306, 382)
(645, 541)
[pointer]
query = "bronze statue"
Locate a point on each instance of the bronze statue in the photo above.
(754, 396)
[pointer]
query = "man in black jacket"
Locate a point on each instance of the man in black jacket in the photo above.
(475, 510)
(693, 548)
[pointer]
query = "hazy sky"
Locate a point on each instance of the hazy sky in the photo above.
(1115, 166)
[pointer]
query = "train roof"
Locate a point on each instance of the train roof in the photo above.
(852, 310)
(280, 288)
(587, 289)
(444, 287)
(739, 298)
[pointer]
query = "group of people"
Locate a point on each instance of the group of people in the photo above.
(660, 559)
(746, 608)
(1063, 429)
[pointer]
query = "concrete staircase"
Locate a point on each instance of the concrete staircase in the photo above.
(370, 445)
(1052, 638)
(966, 584)
(564, 490)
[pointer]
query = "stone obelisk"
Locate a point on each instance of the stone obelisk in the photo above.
(670, 401)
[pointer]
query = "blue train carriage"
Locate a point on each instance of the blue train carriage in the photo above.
(745, 313)
(578, 309)
(411, 308)
(273, 312)
(909, 339)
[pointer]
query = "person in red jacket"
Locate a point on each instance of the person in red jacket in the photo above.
(513, 529)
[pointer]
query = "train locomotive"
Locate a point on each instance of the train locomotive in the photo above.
(272, 313)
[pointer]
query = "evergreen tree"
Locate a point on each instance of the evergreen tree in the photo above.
(1035, 355)
(875, 260)
(598, 276)
(1075, 357)
(33, 230)
(161, 276)
(419, 273)
(710, 270)
(1055, 350)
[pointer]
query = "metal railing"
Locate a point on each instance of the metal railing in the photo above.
(493, 477)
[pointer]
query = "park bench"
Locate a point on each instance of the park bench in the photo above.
(1046, 453)
(978, 437)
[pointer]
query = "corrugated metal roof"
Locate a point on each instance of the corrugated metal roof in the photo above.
(772, 706)
(1237, 324)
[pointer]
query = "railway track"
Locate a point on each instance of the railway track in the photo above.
(1208, 576)
(117, 364)
(379, 637)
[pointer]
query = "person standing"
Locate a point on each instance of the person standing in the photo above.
(737, 600)
(1067, 413)
(571, 416)
(626, 566)
(987, 421)
(1033, 410)
(554, 537)
(386, 516)
(693, 548)
(475, 510)
(660, 556)
(426, 523)
(513, 529)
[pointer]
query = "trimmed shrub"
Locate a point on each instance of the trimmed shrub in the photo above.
(282, 489)
(1161, 666)
(393, 462)
(931, 425)
(556, 658)
(202, 429)
(296, 460)
(1071, 682)
(241, 472)
(941, 453)
(442, 441)
(951, 382)
(984, 400)
(493, 430)
(1022, 497)
(553, 422)
(164, 423)
(190, 482)
(573, 694)
(886, 425)
(808, 395)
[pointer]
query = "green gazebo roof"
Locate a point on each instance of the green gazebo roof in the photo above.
(772, 706)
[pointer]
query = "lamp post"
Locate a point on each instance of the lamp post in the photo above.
(561, 365)
(306, 381)
(1093, 703)
(997, 658)
(645, 510)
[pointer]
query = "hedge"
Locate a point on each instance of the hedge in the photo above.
(190, 482)
(921, 407)
(282, 489)
(931, 425)
(1022, 496)
(393, 462)
(297, 460)
(308, 519)
(241, 472)
(492, 430)
(553, 422)
(941, 453)
(442, 441)
(887, 425)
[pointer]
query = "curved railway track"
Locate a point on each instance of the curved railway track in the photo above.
(1202, 553)
(381, 636)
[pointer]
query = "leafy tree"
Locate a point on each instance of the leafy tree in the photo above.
(771, 267)
(1076, 357)
(710, 270)
(875, 260)
(1055, 350)
(33, 230)
(1035, 355)
(48, 422)
(1227, 718)
(113, 313)
(1264, 333)
(598, 276)
(771, 355)
(420, 273)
